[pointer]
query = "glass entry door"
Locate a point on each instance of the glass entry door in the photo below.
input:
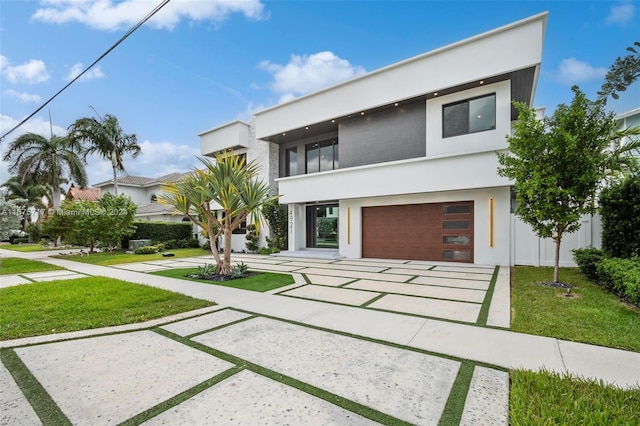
(322, 226)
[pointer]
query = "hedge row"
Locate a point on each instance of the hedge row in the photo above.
(621, 276)
(159, 232)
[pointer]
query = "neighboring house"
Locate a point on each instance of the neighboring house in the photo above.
(86, 194)
(144, 192)
(401, 161)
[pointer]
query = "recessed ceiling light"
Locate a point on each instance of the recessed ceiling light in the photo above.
(333, 121)
(284, 134)
(435, 94)
(481, 81)
(396, 104)
(362, 113)
(306, 128)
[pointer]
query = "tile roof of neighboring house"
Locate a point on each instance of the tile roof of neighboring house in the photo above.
(143, 181)
(155, 208)
(87, 194)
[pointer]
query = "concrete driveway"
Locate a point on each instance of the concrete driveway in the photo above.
(352, 342)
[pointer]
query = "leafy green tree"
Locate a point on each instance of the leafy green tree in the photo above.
(36, 159)
(558, 164)
(621, 75)
(89, 223)
(32, 194)
(10, 216)
(228, 184)
(276, 215)
(105, 137)
(620, 211)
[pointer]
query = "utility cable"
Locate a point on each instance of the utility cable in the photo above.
(123, 38)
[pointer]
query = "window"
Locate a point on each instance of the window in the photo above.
(322, 156)
(469, 116)
(291, 162)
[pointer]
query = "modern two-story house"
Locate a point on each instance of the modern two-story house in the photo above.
(400, 162)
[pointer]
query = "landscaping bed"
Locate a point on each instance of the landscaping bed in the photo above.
(257, 281)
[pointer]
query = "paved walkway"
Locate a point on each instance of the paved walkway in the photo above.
(290, 358)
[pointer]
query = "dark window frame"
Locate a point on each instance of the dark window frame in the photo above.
(467, 102)
(317, 146)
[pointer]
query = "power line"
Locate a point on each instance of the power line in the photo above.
(123, 38)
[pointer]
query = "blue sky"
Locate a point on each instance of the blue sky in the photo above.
(200, 64)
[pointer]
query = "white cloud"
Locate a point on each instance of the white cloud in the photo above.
(621, 13)
(572, 71)
(92, 74)
(308, 73)
(111, 15)
(32, 72)
(21, 96)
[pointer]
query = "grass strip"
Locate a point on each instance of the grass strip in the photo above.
(30, 248)
(592, 316)
(486, 304)
(457, 397)
(44, 406)
(370, 301)
(261, 282)
(180, 398)
(121, 257)
(85, 303)
(546, 398)
(14, 265)
(340, 401)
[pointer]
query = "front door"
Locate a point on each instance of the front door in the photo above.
(322, 226)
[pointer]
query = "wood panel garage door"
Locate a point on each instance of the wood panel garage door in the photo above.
(436, 232)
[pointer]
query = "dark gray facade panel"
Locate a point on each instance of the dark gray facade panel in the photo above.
(398, 134)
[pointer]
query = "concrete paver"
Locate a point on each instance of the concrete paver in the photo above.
(110, 379)
(326, 280)
(437, 273)
(355, 274)
(11, 280)
(332, 294)
(141, 267)
(405, 384)
(68, 276)
(500, 307)
(487, 401)
(205, 322)
(466, 295)
(14, 408)
(468, 269)
(447, 309)
(453, 282)
(247, 398)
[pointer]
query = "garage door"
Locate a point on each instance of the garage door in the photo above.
(435, 231)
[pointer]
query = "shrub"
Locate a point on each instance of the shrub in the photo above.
(587, 260)
(147, 250)
(620, 210)
(239, 270)
(34, 232)
(160, 232)
(268, 250)
(622, 276)
(20, 240)
(276, 215)
(252, 238)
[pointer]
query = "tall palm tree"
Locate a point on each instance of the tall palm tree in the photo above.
(37, 159)
(31, 191)
(105, 137)
(228, 184)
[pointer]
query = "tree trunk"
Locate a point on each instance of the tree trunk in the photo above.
(556, 266)
(226, 263)
(115, 174)
(56, 205)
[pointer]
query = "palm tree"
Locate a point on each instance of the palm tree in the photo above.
(106, 138)
(36, 159)
(227, 184)
(32, 192)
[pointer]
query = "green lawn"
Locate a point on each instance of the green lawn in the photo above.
(264, 281)
(594, 316)
(84, 303)
(119, 257)
(28, 248)
(545, 398)
(14, 265)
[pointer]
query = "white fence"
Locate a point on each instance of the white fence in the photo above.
(528, 249)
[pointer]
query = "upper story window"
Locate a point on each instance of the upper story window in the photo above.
(154, 198)
(322, 156)
(291, 161)
(469, 116)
